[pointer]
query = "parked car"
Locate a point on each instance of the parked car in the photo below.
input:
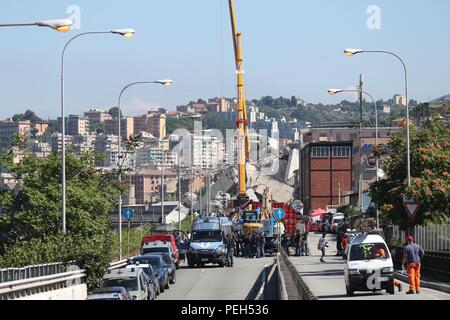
(169, 264)
(369, 255)
(159, 267)
(153, 286)
(110, 293)
(134, 280)
(155, 240)
(162, 247)
(313, 227)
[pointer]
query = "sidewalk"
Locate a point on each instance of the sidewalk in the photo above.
(326, 280)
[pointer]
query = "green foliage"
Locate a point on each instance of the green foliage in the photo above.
(28, 115)
(30, 227)
(430, 172)
(114, 112)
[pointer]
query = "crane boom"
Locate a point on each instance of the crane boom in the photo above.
(243, 140)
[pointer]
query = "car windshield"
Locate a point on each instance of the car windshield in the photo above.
(337, 220)
(207, 236)
(129, 283)
(368, 251)
(154, 261)
(155, 250)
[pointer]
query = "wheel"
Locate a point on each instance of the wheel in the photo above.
(391, 289)
(191, 263)
(174, 279)
(350, 291)
(222, 263)
(167, 286)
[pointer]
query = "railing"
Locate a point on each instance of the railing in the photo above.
(435, 241)
(21, 282)
(15, 274)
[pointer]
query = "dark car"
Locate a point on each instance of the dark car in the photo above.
(159, 267)
(115, 293)
(169, 264)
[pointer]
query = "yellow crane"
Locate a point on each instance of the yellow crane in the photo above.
(243, 139)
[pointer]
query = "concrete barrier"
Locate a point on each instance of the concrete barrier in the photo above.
(78, 292)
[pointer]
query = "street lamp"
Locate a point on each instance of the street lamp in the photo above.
(352, 52)
(166, 83)
(333, 92)
(60, 25)
(123, 32)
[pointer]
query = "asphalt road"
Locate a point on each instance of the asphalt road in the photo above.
(214, 283)
(326, 280)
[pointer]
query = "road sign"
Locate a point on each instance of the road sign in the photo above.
(128, 214)
(411, 206)
(279, 214)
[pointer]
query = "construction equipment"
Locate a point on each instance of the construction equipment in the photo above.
(243, 138)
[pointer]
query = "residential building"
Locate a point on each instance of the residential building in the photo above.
(9, 128)
(40, 128)
(325, 174)
(126, 127)
(56, 142)
(400, 100)
(153, 122)
(40, 149)
(77, 125)
(206, 151)
(147, 184)
(96, 115)
(153, 156)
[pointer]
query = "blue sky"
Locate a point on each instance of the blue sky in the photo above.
(291, 47)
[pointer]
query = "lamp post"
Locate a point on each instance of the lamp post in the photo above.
(127, 33)
(166, 83)
(352, 52)
(60, 25)
(333, 92)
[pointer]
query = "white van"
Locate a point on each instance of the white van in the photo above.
(369, 265)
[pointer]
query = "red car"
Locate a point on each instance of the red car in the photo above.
(164, 237)
(313, 227)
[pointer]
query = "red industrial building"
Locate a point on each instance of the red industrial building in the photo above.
(326, 174)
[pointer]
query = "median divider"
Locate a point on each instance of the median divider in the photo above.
(292, 286)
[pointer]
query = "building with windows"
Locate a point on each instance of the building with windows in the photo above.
(126, 127)
(325, 174)
(96, 116)
(77, 125)
(153, 122)
(148, 185)
(9, 128)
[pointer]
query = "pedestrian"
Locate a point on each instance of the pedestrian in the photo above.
(263, 245)
(339, 244)
(230, 245)
(344, 245)
(412, 256)
(247, 245)
(297, 240)
(322, 245)
(305, 242)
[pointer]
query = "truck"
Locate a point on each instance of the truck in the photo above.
(159, 240)
(207, 243)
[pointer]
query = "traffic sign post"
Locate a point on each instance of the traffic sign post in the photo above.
(128, 215)
(279, 215)
(411, 206)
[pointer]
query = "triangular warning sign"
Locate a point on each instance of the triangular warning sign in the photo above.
(411, 208)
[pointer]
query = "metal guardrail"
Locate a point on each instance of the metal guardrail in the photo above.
(35, 271)
(29, 280)
(26, 287)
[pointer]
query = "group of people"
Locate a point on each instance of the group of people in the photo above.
(248, 245)
(298, 241)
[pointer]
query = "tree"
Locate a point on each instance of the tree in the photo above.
(430, 172)
(30, 227)
(28, 115)
(114, 112)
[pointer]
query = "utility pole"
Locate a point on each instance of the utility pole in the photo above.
(162, 189)
(360, 96)
(192, 196)
(179, 193)
(339, 193)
